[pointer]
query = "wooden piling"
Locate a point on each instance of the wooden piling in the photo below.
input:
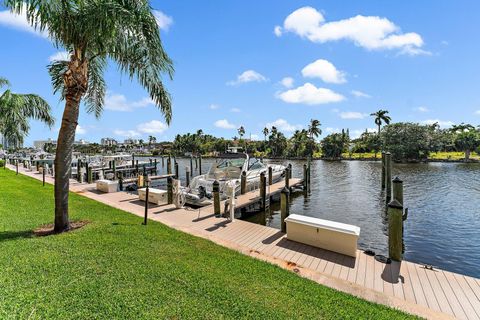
(263, 191)
(163, 162)
(383, 170)
(200, 164)
(176, 170)
(397, 190)
(388, 177)
(284, 196)
(43, 175)
(120, 181)
(191, 166)
(287, 178)
(395, 230)
(146, 206)
(270, 176)
(187, 177)
(243, 183)
(305, 177)
(170, 190)
(290, 171)
(89, 175)
(133, 160)
(114, 168)
(216, 198)
(169, 166)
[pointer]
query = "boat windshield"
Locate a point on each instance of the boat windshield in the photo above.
(227, 169)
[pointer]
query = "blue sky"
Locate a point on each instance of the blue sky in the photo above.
(344, 60)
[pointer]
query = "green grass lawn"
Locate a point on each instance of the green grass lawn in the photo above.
(117, 268)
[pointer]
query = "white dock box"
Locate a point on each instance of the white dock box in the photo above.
(107, 186)
(325, 234)
(156, 196)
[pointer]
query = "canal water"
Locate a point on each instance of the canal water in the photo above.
(443, 226)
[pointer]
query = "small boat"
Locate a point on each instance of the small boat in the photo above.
(229, 170)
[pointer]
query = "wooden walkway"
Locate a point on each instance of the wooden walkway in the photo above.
(433, 294)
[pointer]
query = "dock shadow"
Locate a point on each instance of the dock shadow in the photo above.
(219, 225)
(203, 218)
(391, 273)
(274, 237)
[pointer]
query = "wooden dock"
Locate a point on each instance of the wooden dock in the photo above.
(433, 294)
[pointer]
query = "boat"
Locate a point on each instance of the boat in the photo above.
(228, 170)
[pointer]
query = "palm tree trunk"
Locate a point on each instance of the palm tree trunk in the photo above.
(379, 129)
(467, 154)
(63, 162)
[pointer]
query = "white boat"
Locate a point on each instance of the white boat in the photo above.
(229, 168)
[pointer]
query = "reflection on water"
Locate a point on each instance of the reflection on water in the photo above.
(443, 227)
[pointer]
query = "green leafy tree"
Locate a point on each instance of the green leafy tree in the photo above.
(16, 110)
(124, 32)
(333, 145)
(407, 141)
(467, 141)
(381, 116)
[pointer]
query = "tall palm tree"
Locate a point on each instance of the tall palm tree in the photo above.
(241, 131)
(265, 133)
(15, 112)
(381, 116)
(93, 32)
(314, 128)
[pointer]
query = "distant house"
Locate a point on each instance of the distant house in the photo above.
(39, 144)
(108, 142)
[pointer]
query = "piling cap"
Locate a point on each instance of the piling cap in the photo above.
(397, 180)
(285, 190)
(395, 204)
(216, 183)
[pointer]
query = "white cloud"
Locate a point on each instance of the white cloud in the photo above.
(248, 76)
(332, 130)
(354, 134)
(360, 94)
(477, 112)
(224, 124)
(311, 95)
(152, 127)
(277, 31)
(369, 32)
(254, 137)
(422, 109)
(440, 122)
(283, 125)
(80, 130)
(236, 110)
(127, 133)
(20, 22)
(214, 106)
(352, 115)
(287, 82)
(118, 102)
(164, 22)
(324, 70)
(59, 56)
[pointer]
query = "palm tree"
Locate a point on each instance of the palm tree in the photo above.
(15, 112)
(381, 116)
(314, 128)
(265, 133)
(93, 32)
(241, 131)
(151, 140)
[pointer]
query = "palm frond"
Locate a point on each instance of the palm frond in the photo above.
(95, 95)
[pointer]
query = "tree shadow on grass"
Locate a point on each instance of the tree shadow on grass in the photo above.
(14, 235)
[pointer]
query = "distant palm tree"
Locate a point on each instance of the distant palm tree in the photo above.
(462, 127)
(265, 133)
(15, 112)
(314, 128)
(94, 32)
(241, 131)
(151, 140)
(381, 116)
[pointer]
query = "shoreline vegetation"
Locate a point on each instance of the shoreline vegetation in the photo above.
(115, 267)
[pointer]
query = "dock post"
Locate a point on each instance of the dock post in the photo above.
(89, 175)
(290, 171)
(155, 165)
(309, 167)
(176, 170)
(216, 198)
(200, 164)
(270, 176)
(395, 230)
(383, 170)
(397, 190)
(196, 162)
(263, 191)
(145, 177)
(136, 167)
(133, 160)
(191, 166)
(187, 177)
(170, 190)
(163, 162)
(305, 177)
(146, 206)
(169, 166)
(114, 168)
(120, 181)
(243, 183)
(287, 178)
(284, 196)
(43, 175)
(151, 163)
(388, 177)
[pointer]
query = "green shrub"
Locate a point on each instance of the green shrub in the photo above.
(2, 163)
